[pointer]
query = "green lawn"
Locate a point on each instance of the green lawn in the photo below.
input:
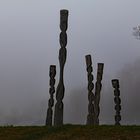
(70, 132)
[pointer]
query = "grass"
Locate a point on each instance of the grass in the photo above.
(70, 132)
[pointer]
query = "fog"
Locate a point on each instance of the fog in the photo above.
(29, 44)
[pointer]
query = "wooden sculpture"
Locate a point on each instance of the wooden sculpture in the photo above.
(58, 116)
(117, 100)
(91, 98)
(98, 87)
(51, 91)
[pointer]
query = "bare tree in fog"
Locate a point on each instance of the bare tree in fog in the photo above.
(136, 32)
(130, 81)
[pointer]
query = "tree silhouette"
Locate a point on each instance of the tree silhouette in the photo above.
(136, 32)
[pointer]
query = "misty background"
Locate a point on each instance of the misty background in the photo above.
(29, 44)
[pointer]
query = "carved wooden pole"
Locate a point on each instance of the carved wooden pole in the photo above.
(117, 100)
(98, 87)
(51, 91)
(58, 116)
(91, 98)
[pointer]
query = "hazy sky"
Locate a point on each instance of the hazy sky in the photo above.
(29, 44)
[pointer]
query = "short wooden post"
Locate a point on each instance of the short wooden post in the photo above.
(117, 100)
(51, 91)
(91, 98)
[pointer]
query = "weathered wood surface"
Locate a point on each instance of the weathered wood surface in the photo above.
(52, 74)
(58, 116)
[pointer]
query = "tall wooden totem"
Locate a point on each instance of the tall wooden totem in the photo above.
(51, 91)
(58, 114)
(91, 97)
(98, 87)
(117, 100)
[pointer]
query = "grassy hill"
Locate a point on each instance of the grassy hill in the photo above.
(70, 132)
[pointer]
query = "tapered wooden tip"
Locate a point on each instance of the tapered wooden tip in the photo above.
(64, 12)
(100, 66)
(53, 68)
(88, 60)
(115, 83)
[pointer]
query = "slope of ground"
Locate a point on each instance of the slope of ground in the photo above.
(70, 132)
